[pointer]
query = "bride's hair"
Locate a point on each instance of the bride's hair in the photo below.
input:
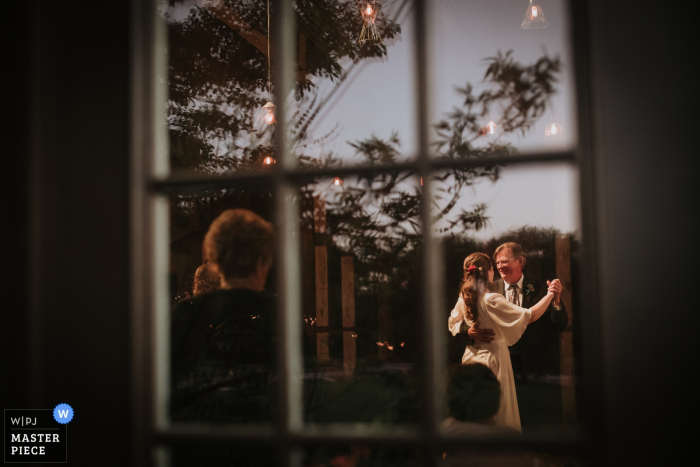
(475, 282)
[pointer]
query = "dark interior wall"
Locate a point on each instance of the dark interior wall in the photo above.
(75, 223)
(645, 101)
(14, 329)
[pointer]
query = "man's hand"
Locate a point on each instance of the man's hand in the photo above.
(556, 288)
(481, 335)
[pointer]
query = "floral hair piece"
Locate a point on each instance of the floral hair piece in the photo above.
(471, 269)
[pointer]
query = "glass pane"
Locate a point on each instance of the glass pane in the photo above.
(347, 91)
(223, 315)
(355, 88)
(361, 299)
(529, 366)
(499, 87)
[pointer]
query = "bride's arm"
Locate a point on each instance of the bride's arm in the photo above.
(540, 307)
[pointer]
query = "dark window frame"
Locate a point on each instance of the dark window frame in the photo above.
(148, 187)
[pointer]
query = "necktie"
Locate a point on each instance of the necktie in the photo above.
(513, 295)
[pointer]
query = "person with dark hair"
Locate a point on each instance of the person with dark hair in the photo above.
(473, 395)
(222, 342)
(473, 398)
(476, 307)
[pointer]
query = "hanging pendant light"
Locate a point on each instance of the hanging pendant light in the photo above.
(489, 129)
(534, 17)
(370, 33)
(266, 118)
(553, 133)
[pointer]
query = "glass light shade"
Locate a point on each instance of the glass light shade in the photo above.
(266, 118)
(489, 129)
(534, 17)
(370, 33)
(553, 130)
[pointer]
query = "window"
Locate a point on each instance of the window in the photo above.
(386, 165)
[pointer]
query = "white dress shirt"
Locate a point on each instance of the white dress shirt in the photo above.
(520, 288)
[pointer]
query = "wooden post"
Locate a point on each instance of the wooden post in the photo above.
(347, 272)
(321, 266)
(321, 254)
(566, 350)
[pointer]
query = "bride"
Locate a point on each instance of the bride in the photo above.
(477, 307)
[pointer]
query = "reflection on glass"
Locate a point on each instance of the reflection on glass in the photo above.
(519, 225)
(222, 321)
(361, 298)
(352, 82)
(496, 86)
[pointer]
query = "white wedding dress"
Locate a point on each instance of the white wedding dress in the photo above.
(508, 322)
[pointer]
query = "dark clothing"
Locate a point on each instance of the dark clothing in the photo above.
(222, 357)
(537, 351)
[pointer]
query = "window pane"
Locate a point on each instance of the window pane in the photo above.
(224, 311)
(220, 113)
(529, 368)
(498, 88)
(361, 298)
(355, 86)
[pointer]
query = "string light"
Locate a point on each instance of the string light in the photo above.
(337, 181)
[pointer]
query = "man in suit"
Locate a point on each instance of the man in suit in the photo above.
(536, 353)
(529, 354)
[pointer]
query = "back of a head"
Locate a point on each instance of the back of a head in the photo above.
(237, 241)
(473, 393)
(206, 279)
(475, 281)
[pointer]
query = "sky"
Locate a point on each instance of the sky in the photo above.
(378, 98)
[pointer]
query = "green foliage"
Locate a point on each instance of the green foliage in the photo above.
(218, 79)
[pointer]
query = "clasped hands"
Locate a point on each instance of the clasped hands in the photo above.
(554, 288)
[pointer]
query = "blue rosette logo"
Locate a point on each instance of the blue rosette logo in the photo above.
(63, 413)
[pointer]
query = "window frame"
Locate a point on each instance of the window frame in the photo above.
(149, 310)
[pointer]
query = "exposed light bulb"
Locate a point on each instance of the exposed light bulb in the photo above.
(492, 127)
(368, 11)
(268, 160)
(269, 118)
(534, 11)
(554, 129)
(336, 181)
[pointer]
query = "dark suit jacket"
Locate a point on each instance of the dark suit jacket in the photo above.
(538, 347)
